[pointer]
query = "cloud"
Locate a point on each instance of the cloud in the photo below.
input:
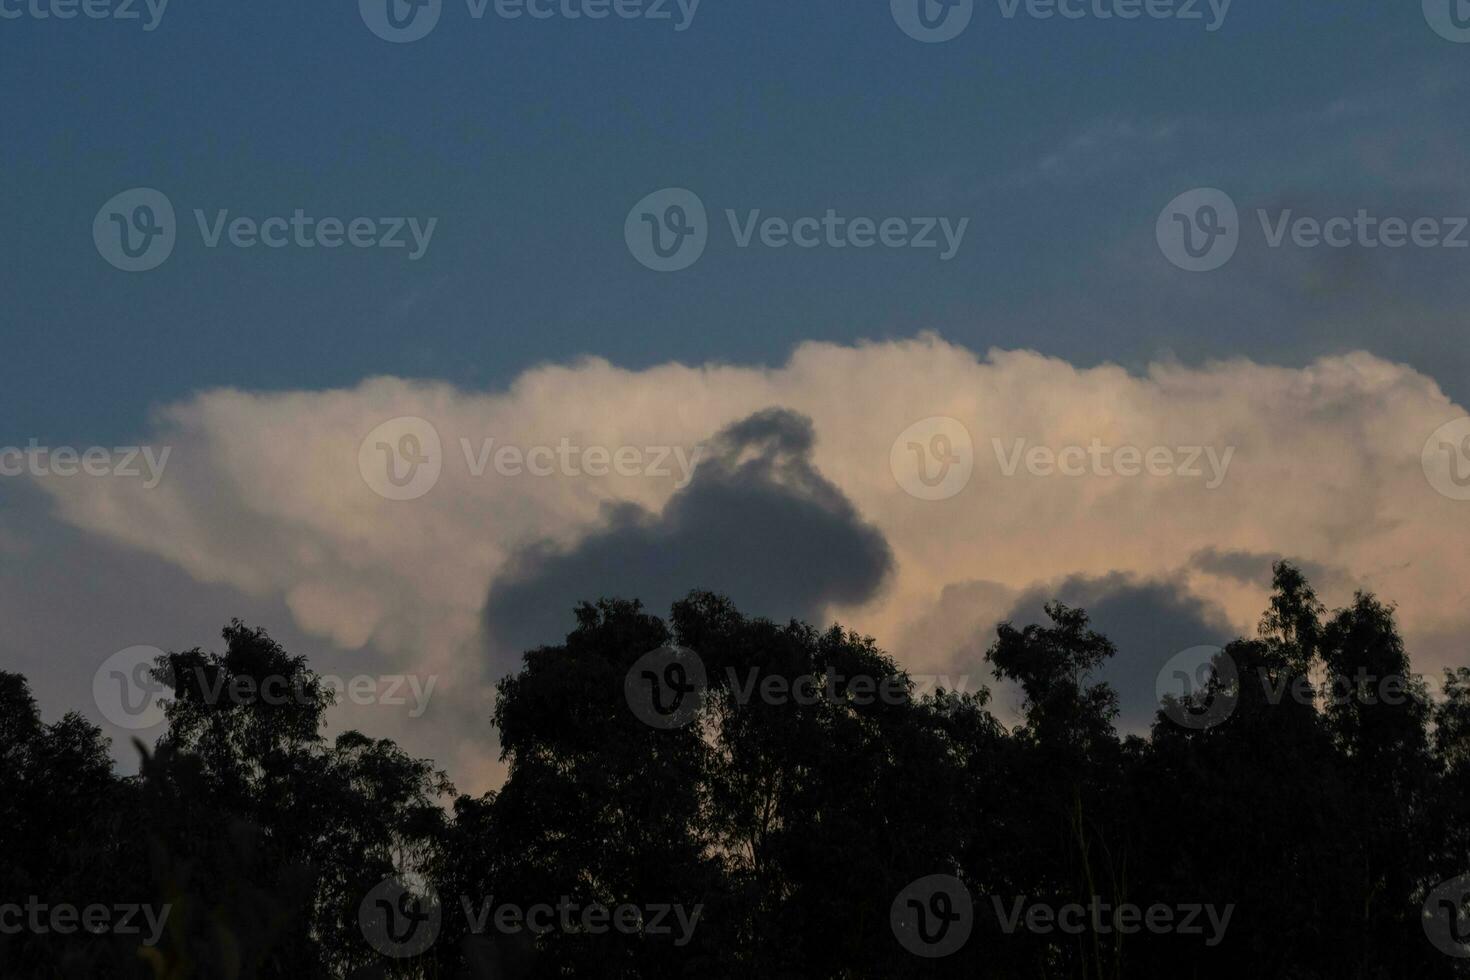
(758, 524)
(955, 632)
(1255, 568)
(69, 600)
(264, 495)
(1148, 622)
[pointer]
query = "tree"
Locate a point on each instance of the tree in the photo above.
(785, 798)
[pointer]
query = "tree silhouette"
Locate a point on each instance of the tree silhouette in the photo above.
(786, 794)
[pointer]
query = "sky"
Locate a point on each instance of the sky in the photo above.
(517, 157)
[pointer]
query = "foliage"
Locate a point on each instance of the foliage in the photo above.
(790, 823)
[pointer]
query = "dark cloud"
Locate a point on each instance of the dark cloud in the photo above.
(1254, 567)
(758, 523)
(1148, 621)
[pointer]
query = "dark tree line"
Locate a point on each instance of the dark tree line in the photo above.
(790, 823)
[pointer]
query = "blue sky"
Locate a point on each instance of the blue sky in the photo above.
(527, 142)
(530, 140)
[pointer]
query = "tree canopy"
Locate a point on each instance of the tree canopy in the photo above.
(775, 817)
